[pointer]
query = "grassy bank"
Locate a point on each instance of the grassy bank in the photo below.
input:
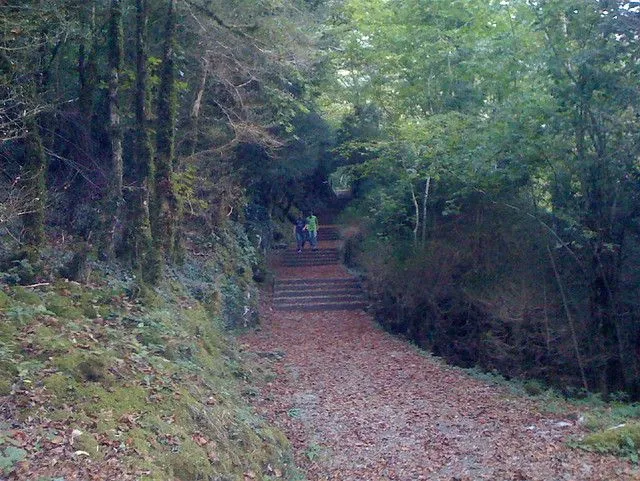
(106, 380)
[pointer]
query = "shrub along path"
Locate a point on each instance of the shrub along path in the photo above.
(361, 405)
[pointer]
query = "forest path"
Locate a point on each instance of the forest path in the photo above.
(361, 405)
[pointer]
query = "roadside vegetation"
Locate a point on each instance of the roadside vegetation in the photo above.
(115, 380)
(154, 152)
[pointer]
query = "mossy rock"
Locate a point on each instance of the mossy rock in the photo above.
(85, 367)
(93, 370)
(89, 310)
(77, 269)
(534, 387)
(119, 400)
(51, 341)
(20, 314)
(8, 332)
(214, 303)
(87, 304)
(138, 440)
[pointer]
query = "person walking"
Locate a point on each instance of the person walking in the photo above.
(300, 231)
(312, 229)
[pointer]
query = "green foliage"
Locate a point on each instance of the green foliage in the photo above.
(157, 366)
(294, 413)
(9, 456)
(623, 440)
(26, 296)
(22, 314)
(63, 306)
(315, 452)
(4, 300)
(603, 416)
(22, 272)
(473, 132)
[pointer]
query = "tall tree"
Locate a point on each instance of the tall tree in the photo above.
(528, 106)
(166, 208)
(114, 195)
(33, 182)
(138, 238)
(590, 49)
(87, 57)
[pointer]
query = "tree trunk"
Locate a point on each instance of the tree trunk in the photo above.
(114, 196)
(416, 208)
(87, 81)
(197, 104)
(140, 248)
(33, 183)
(425, 198)
(598, 192)
(87, 66)
(604, 318)
(165, 218)
(572, 327)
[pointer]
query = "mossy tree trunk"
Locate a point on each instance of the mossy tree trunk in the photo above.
(166, 208)
(33, 184)
(87, 68)
(32, 179)
(114, 195)
(138, 242)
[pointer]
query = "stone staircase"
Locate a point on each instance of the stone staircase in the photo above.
(308, 257)
(307, 286)
(318, 294)
(328, 233)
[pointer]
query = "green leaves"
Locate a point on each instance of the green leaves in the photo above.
(9, 457)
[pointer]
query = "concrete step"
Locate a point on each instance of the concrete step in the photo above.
(324, 290)
(309, 251)
(311, 255)
(328, 232)
(328, 306)
(314, 280)
(351, 294)
(328, 236)
(309, 258)
(318, 300)
(294, 260)
(327, 295)
(305, 284)
(317, 262)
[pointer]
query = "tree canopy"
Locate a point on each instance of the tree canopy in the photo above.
(491, 148)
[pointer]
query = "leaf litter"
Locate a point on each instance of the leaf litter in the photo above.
(369, 406)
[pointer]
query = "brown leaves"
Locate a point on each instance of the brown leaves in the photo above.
(200, 440)
(359, 404)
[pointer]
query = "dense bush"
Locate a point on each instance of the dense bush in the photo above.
(483, 291)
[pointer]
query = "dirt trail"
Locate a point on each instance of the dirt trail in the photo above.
(361, 405)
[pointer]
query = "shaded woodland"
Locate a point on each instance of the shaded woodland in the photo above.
(491, 148)
(124, 123)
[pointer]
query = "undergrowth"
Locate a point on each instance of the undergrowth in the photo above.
(613, 426)
(109, 372)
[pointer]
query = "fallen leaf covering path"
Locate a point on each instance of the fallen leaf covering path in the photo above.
(360, 404)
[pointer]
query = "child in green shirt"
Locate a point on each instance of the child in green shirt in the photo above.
(312, 229)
